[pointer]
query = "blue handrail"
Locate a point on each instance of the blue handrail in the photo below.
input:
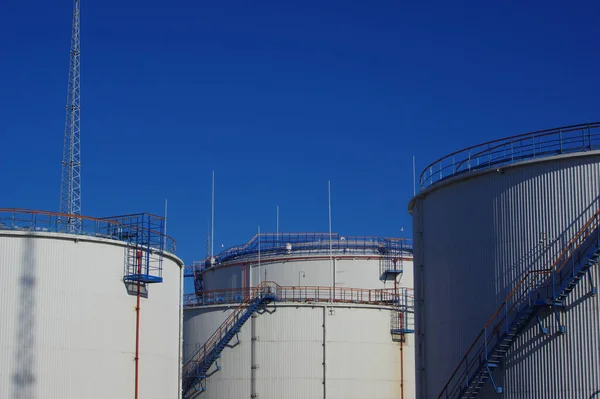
(276, 244)
(142, 228)
(509, 150)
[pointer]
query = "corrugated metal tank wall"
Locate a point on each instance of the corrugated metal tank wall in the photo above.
(475, 236)
(67, 323)
(298, 351)
(355, 272)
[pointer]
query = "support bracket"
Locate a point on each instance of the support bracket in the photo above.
(200, 386)
(543, 329)
(489, 367)
(561, 328)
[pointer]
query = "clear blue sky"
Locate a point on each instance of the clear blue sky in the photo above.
(278, 97)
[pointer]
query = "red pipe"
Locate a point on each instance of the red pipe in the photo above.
(400, 326)
(402, 366)
(137, 326)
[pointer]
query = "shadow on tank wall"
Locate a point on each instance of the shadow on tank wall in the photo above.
(23, 379)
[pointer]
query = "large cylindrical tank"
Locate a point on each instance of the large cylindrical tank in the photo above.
(313, 341)
(490, 224)
(68, 316)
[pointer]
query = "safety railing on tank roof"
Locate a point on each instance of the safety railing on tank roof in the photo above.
(141, 228)
(543, 143)
(403, 297)
(273, 244)
(525, 293)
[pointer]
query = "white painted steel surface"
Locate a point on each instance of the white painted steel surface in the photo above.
(67, 323)
(475, 236)
(362, 359)
(298, 351)
(353, 272)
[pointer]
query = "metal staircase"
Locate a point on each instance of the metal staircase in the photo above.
(194, 371)
(538, 289)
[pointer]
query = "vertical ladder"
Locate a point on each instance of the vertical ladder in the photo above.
(144, 255)
(403, 321)
(391, 264)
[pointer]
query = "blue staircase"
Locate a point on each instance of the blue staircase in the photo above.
(194, 371)
(539, 289)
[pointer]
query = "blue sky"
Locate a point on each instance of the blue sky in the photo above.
(278, 97)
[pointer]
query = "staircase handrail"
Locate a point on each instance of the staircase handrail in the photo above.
(530, 277)
(213, 340)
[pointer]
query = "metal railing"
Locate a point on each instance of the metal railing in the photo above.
(274, 245)
(541, 283)
(195, 269)
(403, 297)
(141, 227)
(543, 143)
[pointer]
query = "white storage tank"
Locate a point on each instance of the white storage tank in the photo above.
(70, 320)
(336, 320)
(506, 246)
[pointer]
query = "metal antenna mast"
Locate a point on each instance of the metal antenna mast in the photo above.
(70, 191)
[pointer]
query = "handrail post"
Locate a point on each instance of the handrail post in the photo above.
(553, 283)
(469, 163)
(431, 174)
(572, 262)
(485, 343)
(506, 316)
(467, 369)
(560, 140)
(512, 152)
(598, 233)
